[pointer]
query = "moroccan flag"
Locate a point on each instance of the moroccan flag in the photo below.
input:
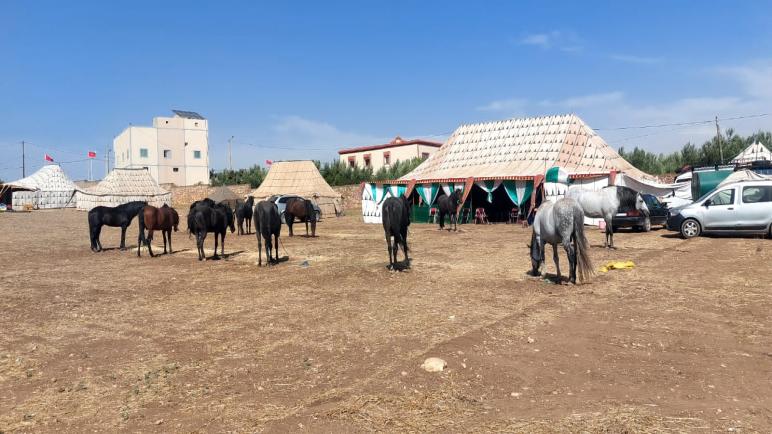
(268, 162)
(49, 158)
(91, 154)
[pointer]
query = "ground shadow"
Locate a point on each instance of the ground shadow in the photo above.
(224, 256)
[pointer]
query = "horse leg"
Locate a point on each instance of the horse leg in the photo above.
(570, 248)
(163, 234)
(214, 256)
(222, 243)
(123, 237)
(556, 258)
(259, 249)
(455, 222)
(404, 248)
(98, 241)
(313, 226)
(395, 249)
(200, 245)
(148, 240)
(388, 248)
(140, 237)
(289, 219)
(276, 244)
(442, 219)
(92, 233)
(609, 234)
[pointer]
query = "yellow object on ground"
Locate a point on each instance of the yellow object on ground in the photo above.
(617, 265)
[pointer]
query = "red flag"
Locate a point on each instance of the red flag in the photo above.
(49, 158)
(91, 154)
(269, 162)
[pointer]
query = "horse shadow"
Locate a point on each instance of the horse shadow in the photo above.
(400, 266)
(224, 256)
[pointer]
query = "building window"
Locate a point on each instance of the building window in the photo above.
(143, 152)
(196, 123)
(352, 161)
(367, 160)
(386, 158)
(197, 155)
(175, 169)
(167, 153)
(146, 168)
(424, 155)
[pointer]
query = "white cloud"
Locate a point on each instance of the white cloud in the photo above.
(756, 78)
(514, 106)
(563, 40)
(637, 59)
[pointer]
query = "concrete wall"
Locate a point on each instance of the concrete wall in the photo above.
(182, 197)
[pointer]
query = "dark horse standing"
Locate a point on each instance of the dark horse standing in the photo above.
(244, 215)
(151, 218)
(303, 209)
(267, 224)
(449, 205)
(204, 218)
(396, 219)
(119, 216)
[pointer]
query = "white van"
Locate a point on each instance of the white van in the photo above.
(743, 207)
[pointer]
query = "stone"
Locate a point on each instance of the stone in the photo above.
(434, 364)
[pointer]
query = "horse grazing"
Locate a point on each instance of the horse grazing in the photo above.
(449, 205)
(163, 219)
(396, 219)
(606, 203)
(119, 216)
(303, 209)
(267, 223)
(204, 218)
(561, 222)
(244, 214)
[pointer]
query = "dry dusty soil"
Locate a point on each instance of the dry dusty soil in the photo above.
(112, 342)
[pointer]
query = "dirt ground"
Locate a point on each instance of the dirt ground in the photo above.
(112, 342)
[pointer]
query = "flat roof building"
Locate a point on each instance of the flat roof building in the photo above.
(175, 150)
(378, 156)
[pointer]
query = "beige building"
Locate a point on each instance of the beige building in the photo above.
(378, 156)
(175, 149)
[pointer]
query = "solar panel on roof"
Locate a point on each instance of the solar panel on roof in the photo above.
(187, 114)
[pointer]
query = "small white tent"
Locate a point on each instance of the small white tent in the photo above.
(754, 152)
(47, 188)
(122, 186)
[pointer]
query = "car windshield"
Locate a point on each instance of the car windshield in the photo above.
(651, 201)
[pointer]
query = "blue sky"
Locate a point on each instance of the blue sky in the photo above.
(301, 80)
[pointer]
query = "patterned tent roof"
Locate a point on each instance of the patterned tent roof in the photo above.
(127, 182)
(754, 152)
(50, 177)
(300, 178)
(524, 148)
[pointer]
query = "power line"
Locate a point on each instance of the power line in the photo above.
(709, 121)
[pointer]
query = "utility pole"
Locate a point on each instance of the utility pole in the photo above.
(718, 137)
(107, 161)
(23, 162)
(230, 156)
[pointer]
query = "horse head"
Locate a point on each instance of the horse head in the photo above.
(231, 216)
(641, 206)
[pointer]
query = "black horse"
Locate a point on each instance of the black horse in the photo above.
(396, 219)
(449, 205)
(204, 218)
(303, 209)
(244, 214)
(119, 216)
(267, 223)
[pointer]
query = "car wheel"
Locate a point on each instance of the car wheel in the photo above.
(690, 228)
(646, 225)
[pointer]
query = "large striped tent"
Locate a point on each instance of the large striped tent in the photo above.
(122, 186)
(300, 178)
(47, 188)
(509, 156)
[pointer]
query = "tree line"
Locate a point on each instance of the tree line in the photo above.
(709, 154)
(334, 172)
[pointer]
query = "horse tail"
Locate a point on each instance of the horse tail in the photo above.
(584, 263)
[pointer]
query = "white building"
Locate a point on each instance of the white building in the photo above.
(175, 149)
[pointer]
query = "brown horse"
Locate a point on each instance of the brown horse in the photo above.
(157, 219)
(303, 209)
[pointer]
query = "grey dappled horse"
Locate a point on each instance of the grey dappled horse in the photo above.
(561, 222)
(606, 202)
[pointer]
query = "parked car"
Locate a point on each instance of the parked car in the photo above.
(281, 203)
(743, 207)
(658, 213)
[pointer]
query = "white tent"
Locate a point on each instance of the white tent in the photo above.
(743, 175)
(754, 152)
(47, 188)
(122, 186)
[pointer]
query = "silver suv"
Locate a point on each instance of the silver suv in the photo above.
(281, 203)
(743, 207)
